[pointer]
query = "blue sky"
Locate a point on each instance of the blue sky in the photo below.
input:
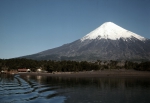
(31, 26)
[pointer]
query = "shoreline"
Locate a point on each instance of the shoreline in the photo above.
(88, 74)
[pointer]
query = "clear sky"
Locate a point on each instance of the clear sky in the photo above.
(32, 26)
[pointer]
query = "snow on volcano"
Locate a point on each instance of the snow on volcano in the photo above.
(107, 42)
(111, 31)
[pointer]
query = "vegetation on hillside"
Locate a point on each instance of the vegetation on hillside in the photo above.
(71, 66)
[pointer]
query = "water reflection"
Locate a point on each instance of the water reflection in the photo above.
(97, 90)
(14, 89)
(39, 77)
(31, 89)
(112, 83)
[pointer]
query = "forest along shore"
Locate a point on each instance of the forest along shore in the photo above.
(100, 73)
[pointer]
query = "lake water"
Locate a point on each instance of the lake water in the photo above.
(43, 89)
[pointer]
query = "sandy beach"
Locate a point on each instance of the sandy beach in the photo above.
(102, 73)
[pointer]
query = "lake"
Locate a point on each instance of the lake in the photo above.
(46, 89)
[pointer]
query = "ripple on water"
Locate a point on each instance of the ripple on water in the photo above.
(15, 89)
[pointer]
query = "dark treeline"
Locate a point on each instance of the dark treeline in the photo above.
(72, 66)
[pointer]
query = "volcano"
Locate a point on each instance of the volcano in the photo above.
(108, 42)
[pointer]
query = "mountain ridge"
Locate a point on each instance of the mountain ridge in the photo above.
(101, 44)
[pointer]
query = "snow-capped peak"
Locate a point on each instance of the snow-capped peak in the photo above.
(111, 31)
